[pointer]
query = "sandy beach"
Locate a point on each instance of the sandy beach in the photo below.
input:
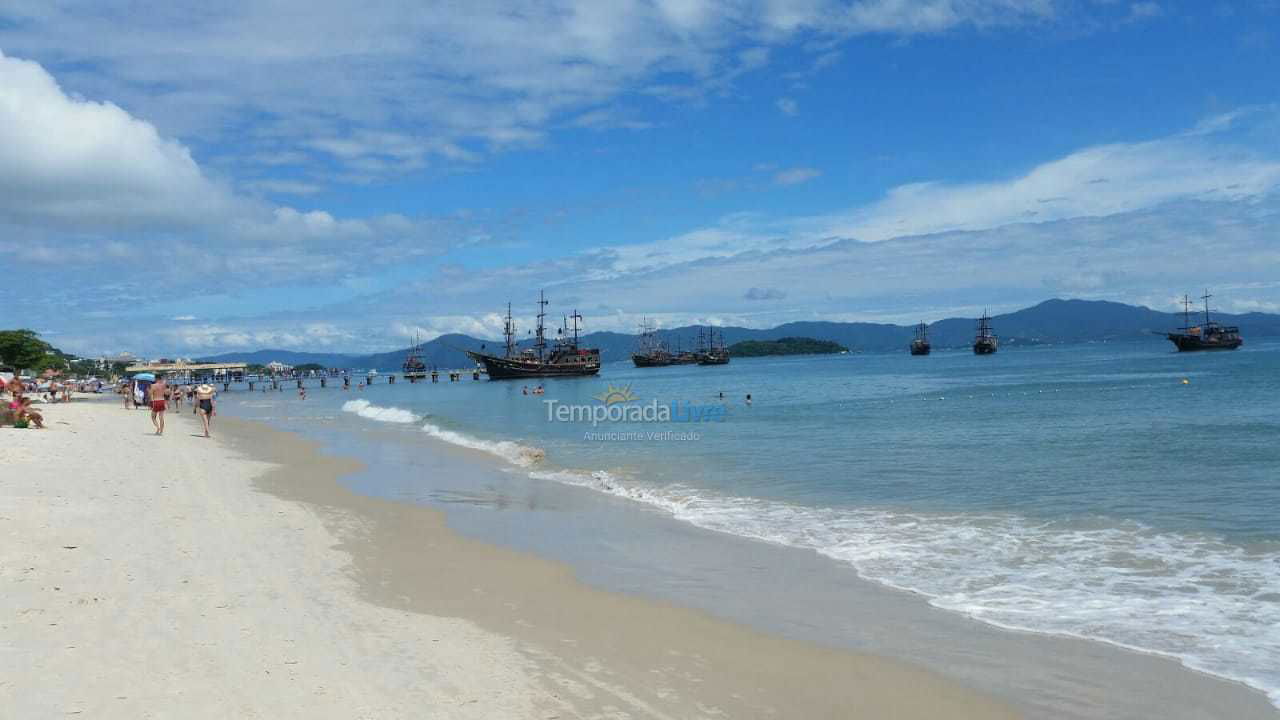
(148, 577)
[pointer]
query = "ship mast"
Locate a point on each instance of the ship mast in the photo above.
(541, 342)
(576, 318)
(1206, 297)
(1186, 311)
(509, 331)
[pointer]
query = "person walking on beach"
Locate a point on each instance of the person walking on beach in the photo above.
(158, 392)
(204, 405)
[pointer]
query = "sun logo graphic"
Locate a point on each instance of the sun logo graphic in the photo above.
(614, 395)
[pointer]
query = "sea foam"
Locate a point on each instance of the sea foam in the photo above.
(512, 452)
(1210, 604)
(366, 409)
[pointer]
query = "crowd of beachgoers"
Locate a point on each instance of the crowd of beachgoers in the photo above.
(19, 396)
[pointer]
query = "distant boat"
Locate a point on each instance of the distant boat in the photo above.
(564, 358)
(650, 351)
(683, 357)
(413, 367)
(985, 341)
(920, 346)
(711, 352)
(1207, 336)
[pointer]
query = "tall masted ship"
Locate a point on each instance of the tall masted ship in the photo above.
(920, 345)
(650, 351)
(563, 358)
(414, 368)
(710, 350)
(985, 341)
(1207, 336)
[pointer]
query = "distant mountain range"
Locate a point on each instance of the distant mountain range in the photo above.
(1050, 322)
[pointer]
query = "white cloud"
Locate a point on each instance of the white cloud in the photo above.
(90, 164)
(755, 293)
(1145, 10)
(1098, 181)
(315, 335)
(788, 106)
(1101, 180)
(284, 187)
(796, 176)
(391, 87)
(87, 180)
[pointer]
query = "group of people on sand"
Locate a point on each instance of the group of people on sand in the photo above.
(16, 410)
(160, 396)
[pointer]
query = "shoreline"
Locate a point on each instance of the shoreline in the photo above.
(648, 657)
(144, 576)
(1041, 674)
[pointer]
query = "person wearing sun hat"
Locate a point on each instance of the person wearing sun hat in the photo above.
(205, 404)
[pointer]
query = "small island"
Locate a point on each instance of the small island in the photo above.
(785, 346)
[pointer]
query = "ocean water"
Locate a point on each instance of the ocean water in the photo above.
(1122, 493)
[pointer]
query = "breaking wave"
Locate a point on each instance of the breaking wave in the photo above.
(366, 409)
(512, 452)
(1212, 605)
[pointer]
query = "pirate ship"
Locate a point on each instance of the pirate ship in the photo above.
(563, 357)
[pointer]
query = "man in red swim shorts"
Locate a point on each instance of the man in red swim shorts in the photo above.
(159, 404)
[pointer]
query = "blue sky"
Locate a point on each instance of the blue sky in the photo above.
(336, 177)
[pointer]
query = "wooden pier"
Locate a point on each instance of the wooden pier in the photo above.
(228, 376)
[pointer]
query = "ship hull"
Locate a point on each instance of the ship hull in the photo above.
(920, 348)
(511, 369)
(983, 348)
(713, 360)
(1193, 343)
(650, 361)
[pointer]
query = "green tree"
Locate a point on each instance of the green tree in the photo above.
(84, 368)
(24, 350)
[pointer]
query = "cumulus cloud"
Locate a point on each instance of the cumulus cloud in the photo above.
(788, 106)
(82, 164)
(84, 179)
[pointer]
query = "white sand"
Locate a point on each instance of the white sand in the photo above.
(141, 577)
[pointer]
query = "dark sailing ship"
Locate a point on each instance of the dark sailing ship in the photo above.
(921, 346)
(563, 358)
(683, 357)
(985, 341)
(1207, 336)
(650, 351)
(414, 368)
(711, 351)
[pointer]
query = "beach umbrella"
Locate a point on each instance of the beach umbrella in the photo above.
(145, 377)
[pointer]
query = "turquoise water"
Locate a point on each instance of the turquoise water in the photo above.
(1084, 490)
